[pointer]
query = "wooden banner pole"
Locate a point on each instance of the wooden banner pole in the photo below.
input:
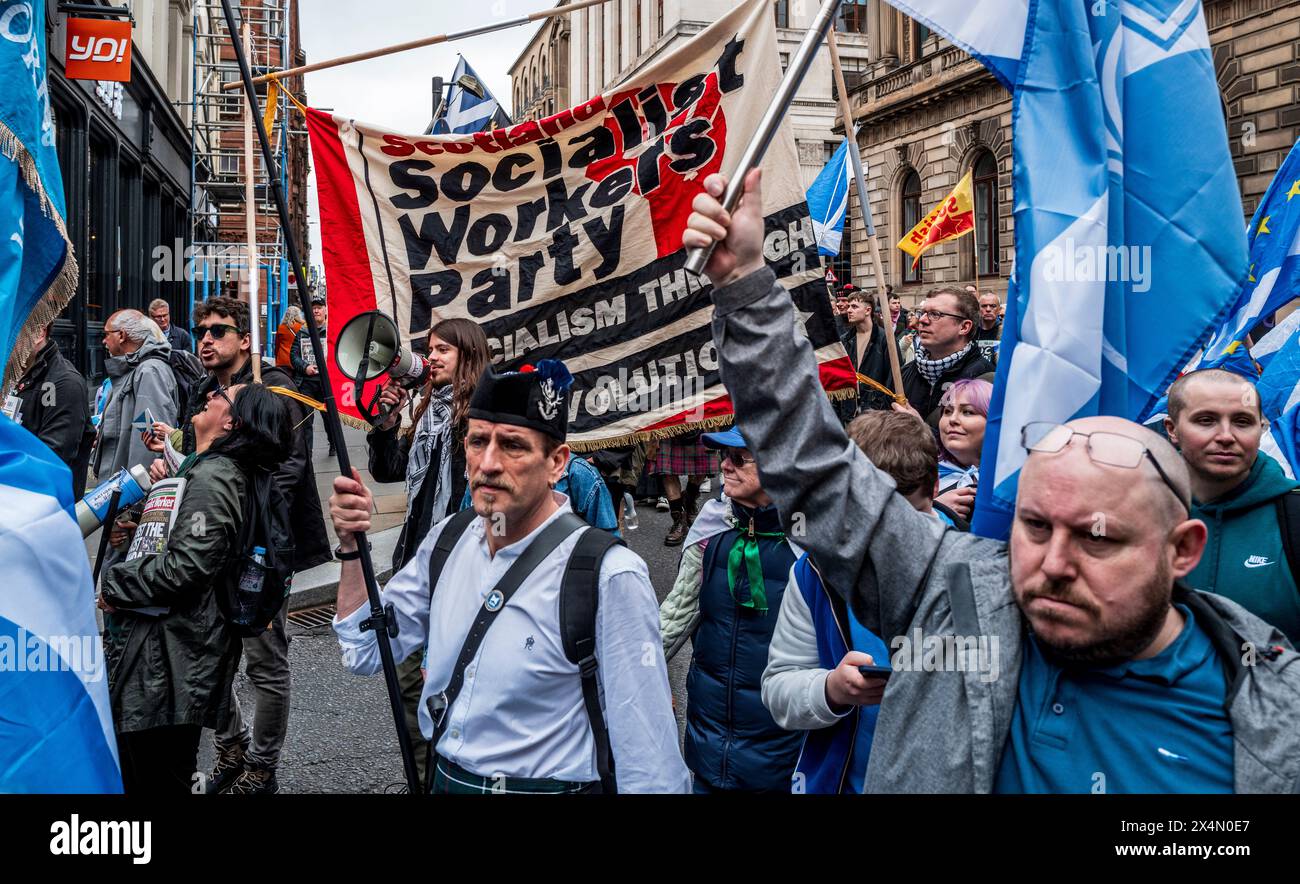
(250, 228)
(419, 44)
(882, 301)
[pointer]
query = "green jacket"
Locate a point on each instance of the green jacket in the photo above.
(178, 668)
(1244, 558)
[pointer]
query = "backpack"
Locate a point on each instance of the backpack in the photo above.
(265, 524)
(579, 597)
(1288, 523)
(189, 373)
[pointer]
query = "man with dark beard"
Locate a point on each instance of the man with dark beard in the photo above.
(1071, 659)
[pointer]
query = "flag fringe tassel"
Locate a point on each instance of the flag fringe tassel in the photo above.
(64, 283)
(712, 423)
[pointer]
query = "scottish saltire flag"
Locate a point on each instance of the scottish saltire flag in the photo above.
(37, 271)
(471, 106)
(1279, 336)
(56, 731)
(56, 727)
(1273, 239)
(828, 201)
(1279, 398)
(1129, 247)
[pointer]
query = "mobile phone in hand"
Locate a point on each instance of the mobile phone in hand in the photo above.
(869, 671)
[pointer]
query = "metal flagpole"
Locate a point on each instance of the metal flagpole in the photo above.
(382, 619)
(250, 226)
(850, 131)
(767, 126)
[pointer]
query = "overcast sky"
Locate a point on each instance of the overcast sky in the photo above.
(394, 91)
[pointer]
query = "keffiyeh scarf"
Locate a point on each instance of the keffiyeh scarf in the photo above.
(933, 369)
(434, 427)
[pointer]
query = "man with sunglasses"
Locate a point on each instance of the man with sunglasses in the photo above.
(1071, 659)
(945, 350)
(246, 762)
(734, 569)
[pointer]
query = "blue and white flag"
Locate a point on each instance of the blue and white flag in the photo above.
(1129, 251)
(56, 729)
(38, 273)
(828, 201)
(466, 112)
(1279, 399)
(1274, 242)
(56, 726)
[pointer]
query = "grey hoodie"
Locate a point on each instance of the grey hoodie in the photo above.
(139, 382)
(901, 571)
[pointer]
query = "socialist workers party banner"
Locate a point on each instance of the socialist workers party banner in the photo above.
(953, 217)
(562, 237)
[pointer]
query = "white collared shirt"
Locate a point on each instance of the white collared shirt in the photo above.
(520, 711)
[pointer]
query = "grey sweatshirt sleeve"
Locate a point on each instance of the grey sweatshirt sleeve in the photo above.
(794, 684)
(868, 543)
(155, 389)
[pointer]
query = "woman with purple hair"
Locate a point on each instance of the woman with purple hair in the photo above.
(963, 413)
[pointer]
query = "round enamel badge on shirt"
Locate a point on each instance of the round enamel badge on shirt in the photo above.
(493, 601)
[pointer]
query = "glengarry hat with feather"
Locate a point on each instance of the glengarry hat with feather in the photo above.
(535, 396)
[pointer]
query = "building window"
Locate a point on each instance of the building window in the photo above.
(785, 61)
(910, 197)
(828, 151)
(637, 47)
(783, 13)
(232, 101)
(985, 184)
(659, 15)
(852, 17)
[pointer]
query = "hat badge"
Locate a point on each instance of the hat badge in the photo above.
(550, 404)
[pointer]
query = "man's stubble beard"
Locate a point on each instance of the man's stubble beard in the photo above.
(1124, 640)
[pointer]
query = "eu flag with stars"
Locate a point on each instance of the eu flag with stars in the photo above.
(1273, 239)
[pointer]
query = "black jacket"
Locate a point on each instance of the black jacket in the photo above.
(308, 385)
(924, 396)
(177, 668)
(296, 476)
(56, 409)
(873, 364)
(390, 452)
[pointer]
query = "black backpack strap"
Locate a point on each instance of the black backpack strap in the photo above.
(1288, 521)
(579, 599)
(447, 540)
(542, 546)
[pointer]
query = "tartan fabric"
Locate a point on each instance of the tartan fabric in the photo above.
(452, 779)
(684, 459)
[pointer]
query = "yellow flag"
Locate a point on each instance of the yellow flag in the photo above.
(953, 217)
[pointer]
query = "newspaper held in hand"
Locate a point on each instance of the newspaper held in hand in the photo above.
(155, 527)
(309, 355)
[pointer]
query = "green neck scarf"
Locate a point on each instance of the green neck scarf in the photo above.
(744, 552)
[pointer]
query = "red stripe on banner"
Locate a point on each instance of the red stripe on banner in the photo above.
(350, 288)
(837, 374)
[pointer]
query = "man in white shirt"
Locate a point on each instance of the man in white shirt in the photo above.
(516, 719)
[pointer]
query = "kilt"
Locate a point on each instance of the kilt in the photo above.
(684, 459)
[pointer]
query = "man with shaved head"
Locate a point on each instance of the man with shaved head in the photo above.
(1243, 499)
(1071, 659)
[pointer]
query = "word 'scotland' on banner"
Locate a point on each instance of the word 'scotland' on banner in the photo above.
(562, 237)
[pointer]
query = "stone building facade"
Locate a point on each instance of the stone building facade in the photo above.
(931, 113)
(539, 77)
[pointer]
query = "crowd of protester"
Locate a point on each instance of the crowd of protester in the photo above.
(1137, 626)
